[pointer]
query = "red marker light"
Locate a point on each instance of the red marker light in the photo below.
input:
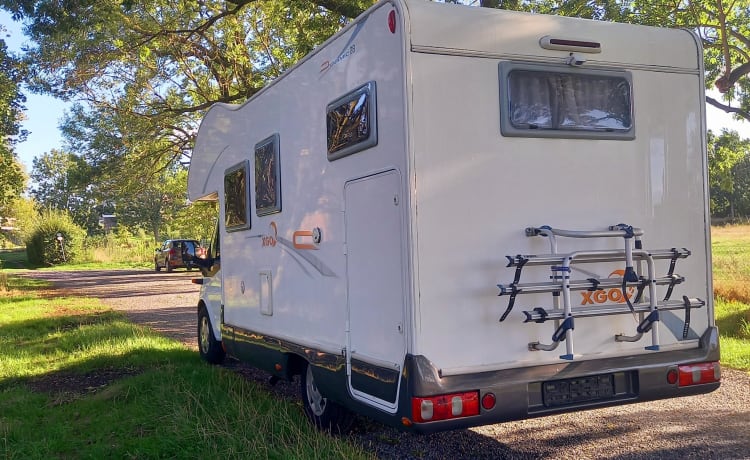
(392, 21)
(488, 401)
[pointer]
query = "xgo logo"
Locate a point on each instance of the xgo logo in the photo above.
(270, 239)
(610, 295)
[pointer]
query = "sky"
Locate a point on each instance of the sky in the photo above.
(44, 113)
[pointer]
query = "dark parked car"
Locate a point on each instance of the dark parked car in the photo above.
(172, 254)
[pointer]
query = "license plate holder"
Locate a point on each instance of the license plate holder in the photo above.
(578, 390)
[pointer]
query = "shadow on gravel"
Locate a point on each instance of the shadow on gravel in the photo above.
(180, 323)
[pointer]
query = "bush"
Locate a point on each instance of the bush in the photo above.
(42, 245)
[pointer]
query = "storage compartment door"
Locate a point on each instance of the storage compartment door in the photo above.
(375, 275)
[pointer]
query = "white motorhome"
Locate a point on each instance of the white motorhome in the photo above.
(449, 216)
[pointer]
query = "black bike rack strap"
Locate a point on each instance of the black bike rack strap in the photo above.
(559, 334)
(521, 261)
(511, 302)
(594, 284)
(673, 282)
(539, 311)
(670, 273)
(686, 327)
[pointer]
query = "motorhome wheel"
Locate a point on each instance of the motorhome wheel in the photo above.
(210, 348)
(325, 414)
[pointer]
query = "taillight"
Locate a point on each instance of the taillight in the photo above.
(172, 252)
(697, 374)
(445, 407)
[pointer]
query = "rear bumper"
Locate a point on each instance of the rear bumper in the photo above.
(518, 392)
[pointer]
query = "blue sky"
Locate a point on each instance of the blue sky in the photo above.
(44, 113)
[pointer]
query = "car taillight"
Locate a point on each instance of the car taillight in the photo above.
(697, 374)
(445, 407)
(172, 252)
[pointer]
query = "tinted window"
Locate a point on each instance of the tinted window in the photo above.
(561, 103)
(351, 122)
(236, 198)
(267, 180)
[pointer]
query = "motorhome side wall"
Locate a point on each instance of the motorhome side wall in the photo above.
(476, 190)
(277, 282)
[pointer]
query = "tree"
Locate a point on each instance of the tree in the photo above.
(12, 176)
(152, 68)
(62, 182)
(156, 206)
(725, 153)
(12, 180)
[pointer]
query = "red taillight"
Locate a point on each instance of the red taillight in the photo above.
(445, 407)
(697, 374)
(172, 252)
(392, 21)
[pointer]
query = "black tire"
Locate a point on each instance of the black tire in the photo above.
(156, 266)
(167, 266)
(324, 414)
(210, 349)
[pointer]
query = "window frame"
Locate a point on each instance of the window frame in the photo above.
(507, 128)
(370, 89)
(273, 140)
(241, 166)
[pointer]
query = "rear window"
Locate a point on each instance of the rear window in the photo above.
(552, 101)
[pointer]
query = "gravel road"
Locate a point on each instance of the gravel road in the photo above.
(712, 426)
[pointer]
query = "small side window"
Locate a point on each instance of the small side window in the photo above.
(267, 180)
(351, 122)
(553, 101)
(236, 198)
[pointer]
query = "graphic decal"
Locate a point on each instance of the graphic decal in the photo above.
(613, 295)
(298, 247)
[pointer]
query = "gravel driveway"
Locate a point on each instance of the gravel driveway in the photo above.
(712, 426)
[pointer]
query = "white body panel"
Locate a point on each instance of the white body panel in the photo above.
(464, 191)
(309, 289)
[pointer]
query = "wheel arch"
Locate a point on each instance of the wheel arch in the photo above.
(213, 317)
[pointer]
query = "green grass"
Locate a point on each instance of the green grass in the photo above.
(99, 253)
(13, 258)
(733, 320)
(79, 381)
(98, 266)
(731, 267)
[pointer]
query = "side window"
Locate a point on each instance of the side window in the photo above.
(267, 180)
(554, 101)
(236, 197)
(351, 122)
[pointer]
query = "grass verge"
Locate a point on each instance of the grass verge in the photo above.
(79, 381)
(731, 268)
